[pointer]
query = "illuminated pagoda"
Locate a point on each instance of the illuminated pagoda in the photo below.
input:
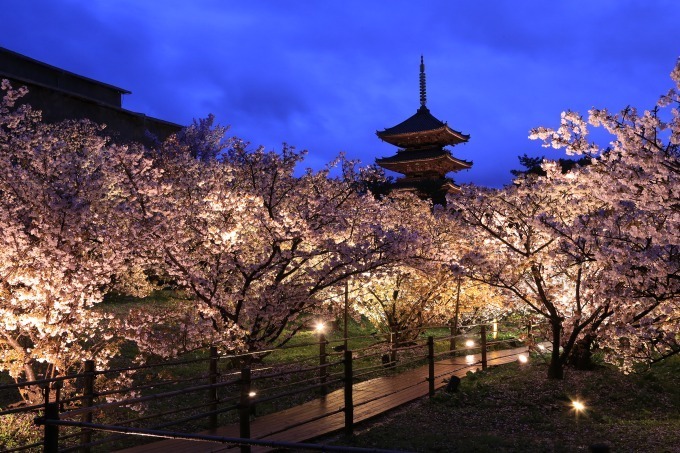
(421, 157)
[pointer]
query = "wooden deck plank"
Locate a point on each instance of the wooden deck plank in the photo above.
(398, 390)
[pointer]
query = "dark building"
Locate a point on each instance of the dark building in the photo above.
(421, 157)
(61, 95)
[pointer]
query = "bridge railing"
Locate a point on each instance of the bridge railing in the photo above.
(203, 391)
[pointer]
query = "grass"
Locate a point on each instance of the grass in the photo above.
(514, 408)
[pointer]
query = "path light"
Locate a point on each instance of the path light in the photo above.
(320, 327)
(252, 394)
(522, 358)
(578, 406)
(541, 347)
(469, 344)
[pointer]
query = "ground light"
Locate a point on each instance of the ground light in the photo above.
(469, 344)
(578, 406)
(522, 358)
(320, 327)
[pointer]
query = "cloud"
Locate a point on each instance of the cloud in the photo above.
(326, 75)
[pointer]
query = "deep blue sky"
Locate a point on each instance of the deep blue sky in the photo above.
(325, 75)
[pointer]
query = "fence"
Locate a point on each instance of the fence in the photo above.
(205, 391)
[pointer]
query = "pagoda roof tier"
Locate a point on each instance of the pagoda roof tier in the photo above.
(427, 186)
(437, 161)
(419, 183)
(422, 129)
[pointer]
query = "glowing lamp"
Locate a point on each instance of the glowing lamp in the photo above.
(469, 343)
(320, 327)
(578, 406)
(252, 394)
(522, 358)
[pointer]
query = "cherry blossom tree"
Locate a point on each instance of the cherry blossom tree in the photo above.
(66, 229)
(593, 250)
(636, 227)
(401, 299)
(512, 249)
(257, 246)
(419, 288)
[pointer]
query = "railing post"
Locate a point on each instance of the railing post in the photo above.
(58, 385)
(244, 409)
(483, 345)
(51, 436)
(212, 391)
(51, 432)
(322, 363)
(430, 360)
(88, 400)
(349, 403)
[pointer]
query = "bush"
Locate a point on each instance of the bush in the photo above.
(17, 430)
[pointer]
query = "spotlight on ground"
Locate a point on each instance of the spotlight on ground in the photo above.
(578, 406)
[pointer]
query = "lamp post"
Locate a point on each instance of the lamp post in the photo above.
(454, 328)
(320, 327)
(345, 317)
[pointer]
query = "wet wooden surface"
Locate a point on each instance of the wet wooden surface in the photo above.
(307, 421)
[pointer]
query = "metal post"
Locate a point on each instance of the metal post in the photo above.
(46, 392)
(394, 335)
(346, 315)
(454, 329)
(88, 400)
(212, 391)
(452, 340)
(349, 403)
(51, 437)
(58, 385)
(322, 363)
(483, 347)
(244, 409)
(430, 360)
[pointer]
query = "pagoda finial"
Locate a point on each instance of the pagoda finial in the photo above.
(423, 95)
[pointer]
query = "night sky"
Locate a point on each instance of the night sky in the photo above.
(324, 76)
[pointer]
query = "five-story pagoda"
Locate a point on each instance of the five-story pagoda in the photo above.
(422, 158)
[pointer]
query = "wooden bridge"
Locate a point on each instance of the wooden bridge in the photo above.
(193, 403)
(322, 416)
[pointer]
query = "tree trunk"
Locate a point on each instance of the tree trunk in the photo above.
(581, 356)
(555, 369)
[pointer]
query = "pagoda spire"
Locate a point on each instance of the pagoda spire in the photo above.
(423, 94)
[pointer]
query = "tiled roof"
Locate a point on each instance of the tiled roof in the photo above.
(432, 153)
(422, 121)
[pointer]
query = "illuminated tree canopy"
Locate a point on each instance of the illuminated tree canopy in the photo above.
(258, 248)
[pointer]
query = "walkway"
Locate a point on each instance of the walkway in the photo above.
(306, 421)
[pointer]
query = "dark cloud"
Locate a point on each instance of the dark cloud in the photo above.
(326, 75)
